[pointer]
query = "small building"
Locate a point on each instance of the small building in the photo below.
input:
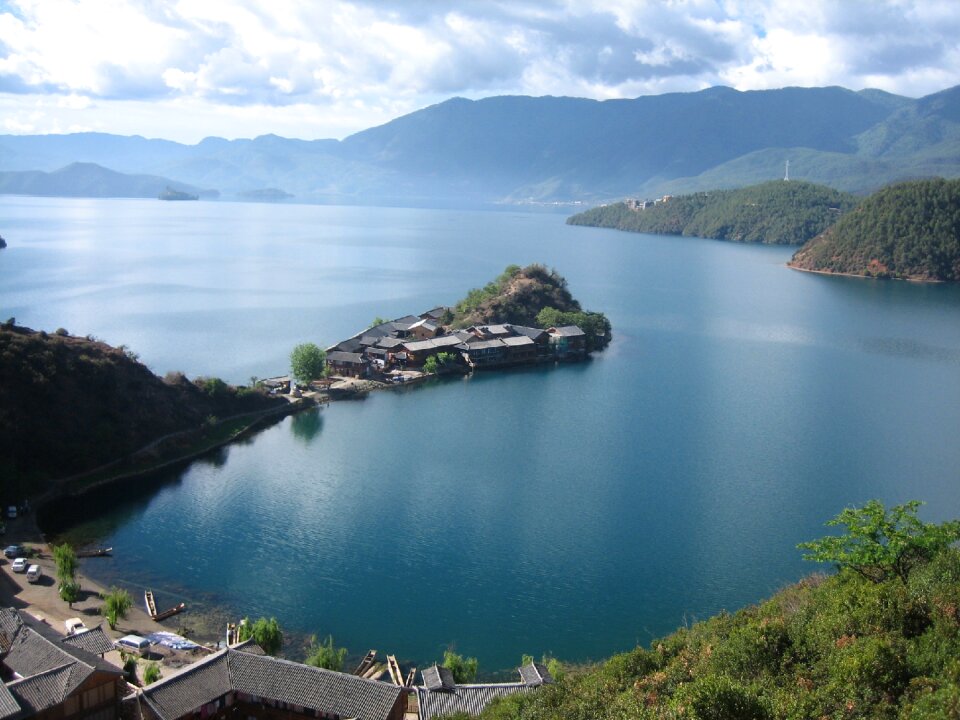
(345, 363)
(50, 677)
(485, 353)
(568, 341)
(423, 330)
(419, 350)
(441, 696)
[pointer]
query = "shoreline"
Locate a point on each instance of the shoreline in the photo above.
(863, 277)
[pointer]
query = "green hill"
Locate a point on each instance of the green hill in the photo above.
(910, 230)
(788, 213)
(532, 296)
(878, 640)
(70, 404)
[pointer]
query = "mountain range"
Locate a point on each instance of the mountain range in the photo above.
(543, 149)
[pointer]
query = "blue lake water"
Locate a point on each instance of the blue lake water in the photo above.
(574, 510)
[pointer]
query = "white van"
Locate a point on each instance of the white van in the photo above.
(34, 573)
(133, 644)
(75, 626)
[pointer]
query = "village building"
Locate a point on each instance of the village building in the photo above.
(50, 677)
(568, 342)
(440, 695)
(243, 682)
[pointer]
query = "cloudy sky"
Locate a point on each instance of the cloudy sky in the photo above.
(187, 69)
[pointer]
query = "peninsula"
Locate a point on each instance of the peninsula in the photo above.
(525, 316)
(909, 231)
(773, 213)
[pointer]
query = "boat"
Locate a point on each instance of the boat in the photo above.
(95, 552)
(151, 604)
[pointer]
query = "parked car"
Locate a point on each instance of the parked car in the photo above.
(133, 643)
(12, 551)
(19, 565)
(75, 626)
(34, 573)
(12, 512)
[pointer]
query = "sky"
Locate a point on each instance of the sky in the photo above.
(188, 69)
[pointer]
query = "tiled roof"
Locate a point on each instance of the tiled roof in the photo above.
(534, 675)
(389, 342)
(530, 332)
(485, 344)
(517, 341)
(438, 678)
(8, 704)
(438, 342)
(273, 678)
(567, 331)
(94, 641)
(344, 357)
(46, 689)
(470, 699)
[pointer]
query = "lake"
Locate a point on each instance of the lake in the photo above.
(573, 510)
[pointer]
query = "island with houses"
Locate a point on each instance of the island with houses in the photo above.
(524, 317)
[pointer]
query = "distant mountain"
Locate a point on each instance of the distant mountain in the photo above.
(549, 149)
(910, 230)
(86, 180)
(776, 213)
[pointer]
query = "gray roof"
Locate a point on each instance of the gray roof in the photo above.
(470, 699)
(567, 331)
(345, 357)
(425, 324)
(437, 342)
(534, 675)
(485, 344)
(530, 332)
(8, 704)
(350, 345)
(438, 677)
(50, 669)
(389, 342)
(518, 341)
(94, 641)
(434, 313)
(269, 677)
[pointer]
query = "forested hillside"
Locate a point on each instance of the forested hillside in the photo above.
(910, 230)
(69, 404)
(778, 212)
(879, 640)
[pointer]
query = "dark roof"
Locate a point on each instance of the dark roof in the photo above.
(50, 669)
(8, 704)
(434, 313)
(345, 357)
(272, 678)
(350, 345)
(530, 332)
(389, 342)
(438, 677)
(94, 641)
(470, 699)
(437, 342)
(534, 675)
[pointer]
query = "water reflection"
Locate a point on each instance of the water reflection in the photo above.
(307, 425)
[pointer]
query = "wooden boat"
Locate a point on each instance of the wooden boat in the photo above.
(366, 663)
(95, 552)
(394, 667)
(411, 676)
(151, 604)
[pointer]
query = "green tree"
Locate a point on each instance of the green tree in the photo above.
(464, 669)
(66, 561)
(265, 633)
(116, 604)
(151, 673)
(69, 592)
(307, 362)
(881, 544)
(325, 655)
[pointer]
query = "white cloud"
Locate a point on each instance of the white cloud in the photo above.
(345, 65)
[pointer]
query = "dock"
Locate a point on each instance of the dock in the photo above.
(151, 604)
